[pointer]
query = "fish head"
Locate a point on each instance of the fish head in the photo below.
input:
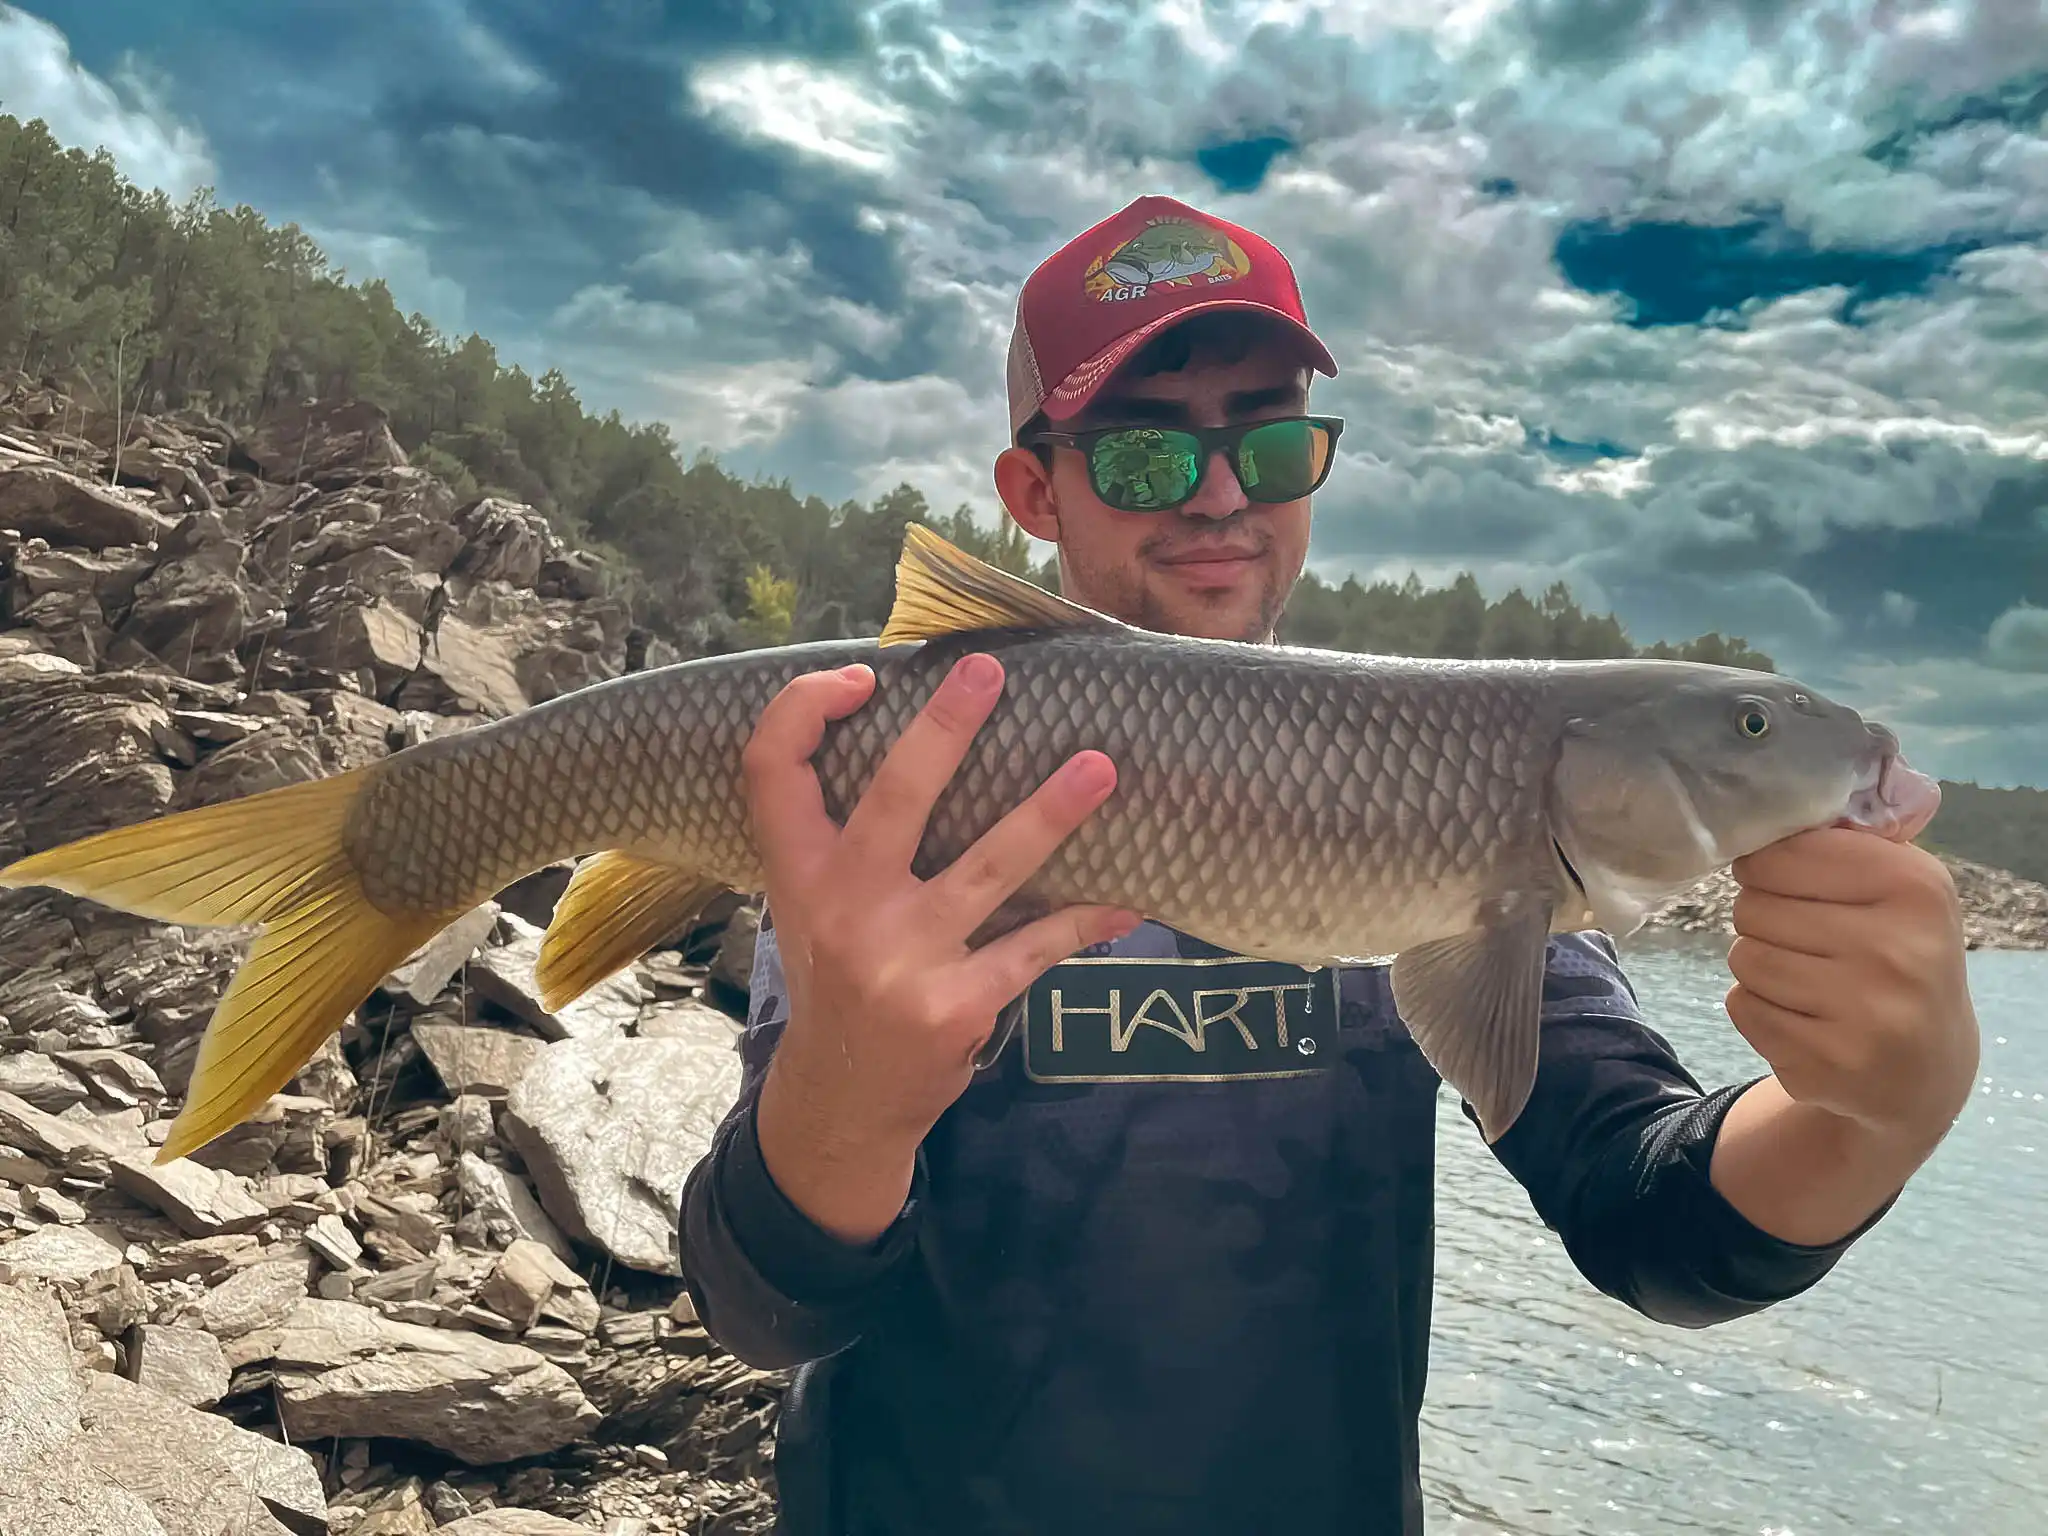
(1667, 771)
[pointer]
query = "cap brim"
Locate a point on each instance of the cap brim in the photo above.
(1073, 393)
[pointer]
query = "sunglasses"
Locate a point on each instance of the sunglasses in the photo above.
(1155, 469)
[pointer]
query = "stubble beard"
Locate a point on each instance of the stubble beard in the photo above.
(1128, 595)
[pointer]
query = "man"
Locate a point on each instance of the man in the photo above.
(1025, 1299)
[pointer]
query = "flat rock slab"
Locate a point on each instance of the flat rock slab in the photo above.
(513, 1522)
(475, 1058)
(91, 1454)
(503, 973)
(685, 1018)
(42, 503)
(346, 1370)
(182, 1364)
(66, 1142)
(199, 1474)
(505, 1207)
(262, 1296)
(610, 1129)
(428, 970)
(201, 1200)
(33, 1077)
(62, 1255)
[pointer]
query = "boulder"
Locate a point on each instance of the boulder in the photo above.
(476, 1058)
(343, 1369)
(184, 1364)
(201, 1200)
(41, 502)
(48, 1486)
(610, 1128)
(323, 442)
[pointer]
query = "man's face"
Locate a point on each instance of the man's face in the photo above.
(1220, 566)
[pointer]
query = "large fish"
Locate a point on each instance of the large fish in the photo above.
(1310, 806)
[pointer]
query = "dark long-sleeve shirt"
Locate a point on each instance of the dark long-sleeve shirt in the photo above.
(1166, 1264)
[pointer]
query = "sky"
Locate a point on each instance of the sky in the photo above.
(1733, 314)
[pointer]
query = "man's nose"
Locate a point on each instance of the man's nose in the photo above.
(1220, 494)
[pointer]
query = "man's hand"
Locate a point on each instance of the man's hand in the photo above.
(887, 1004)
(1850, 981)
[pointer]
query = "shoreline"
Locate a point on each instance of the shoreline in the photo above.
(2001, 910)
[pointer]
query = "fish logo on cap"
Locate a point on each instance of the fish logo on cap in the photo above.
(1168, 252)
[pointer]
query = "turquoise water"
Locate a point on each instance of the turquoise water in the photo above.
(1907, 1392)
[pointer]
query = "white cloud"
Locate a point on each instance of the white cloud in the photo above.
(1704, 477)
(40, 79)
(817, 111)
(485, 52)
(2018, 639)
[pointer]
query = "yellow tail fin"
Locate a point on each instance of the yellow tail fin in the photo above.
(616, 908)
(276, 859)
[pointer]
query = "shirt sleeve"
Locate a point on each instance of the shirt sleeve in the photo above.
(769, 1284)
(1614, 1149)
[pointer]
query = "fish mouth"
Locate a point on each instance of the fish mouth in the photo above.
(1892, 798)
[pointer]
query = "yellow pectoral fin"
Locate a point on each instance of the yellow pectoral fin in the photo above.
(616, 908)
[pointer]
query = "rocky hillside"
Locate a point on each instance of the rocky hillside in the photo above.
(434, 1281)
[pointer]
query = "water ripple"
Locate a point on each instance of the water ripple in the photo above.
(1908, 1391)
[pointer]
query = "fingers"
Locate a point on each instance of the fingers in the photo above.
(1007, 966)
(1834, 864)
(889, 820)
(1773, 1030)
(967, 891)
(791, 827)
(1783, 977)
(1792, 922)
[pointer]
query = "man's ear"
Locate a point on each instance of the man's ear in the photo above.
(1025, 486)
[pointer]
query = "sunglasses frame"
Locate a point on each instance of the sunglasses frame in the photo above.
(1209, 439)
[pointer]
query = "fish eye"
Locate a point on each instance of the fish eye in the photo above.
(1754, 722)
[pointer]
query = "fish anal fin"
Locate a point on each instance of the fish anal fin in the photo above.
(943, 590)
(617, 906)
(1474, 1004)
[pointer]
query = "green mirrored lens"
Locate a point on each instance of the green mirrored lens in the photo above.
(1144, 468)
(1282, 460)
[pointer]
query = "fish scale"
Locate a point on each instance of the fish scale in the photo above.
(1307, 806)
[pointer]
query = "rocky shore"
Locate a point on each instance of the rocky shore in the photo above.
(432, 1286)
(2000, 909)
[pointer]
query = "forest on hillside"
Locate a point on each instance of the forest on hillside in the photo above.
(2005, 828)
(119, 293)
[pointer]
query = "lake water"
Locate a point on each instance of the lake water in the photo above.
(1908, 1391)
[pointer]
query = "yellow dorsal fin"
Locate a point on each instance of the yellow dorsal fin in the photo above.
(943, 590)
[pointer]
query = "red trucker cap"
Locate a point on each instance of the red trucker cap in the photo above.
(1096, 300)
